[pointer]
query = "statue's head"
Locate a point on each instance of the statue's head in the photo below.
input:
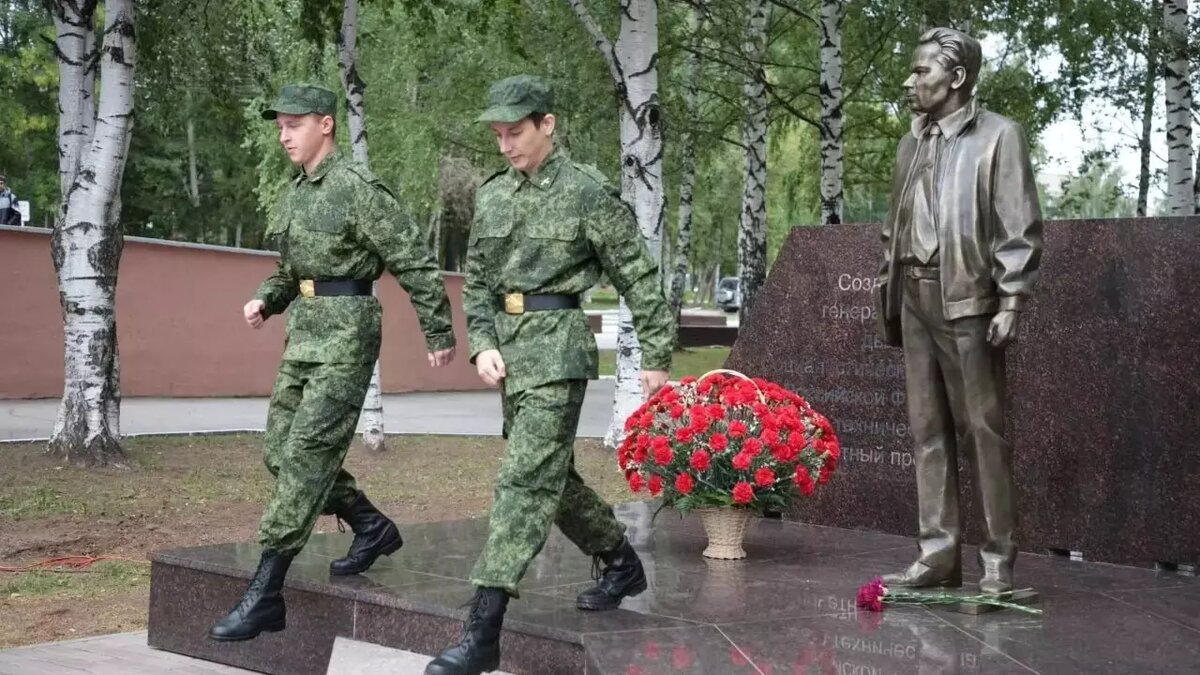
(945, 68)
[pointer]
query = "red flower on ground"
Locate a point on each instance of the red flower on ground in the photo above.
(718, 442)
(681, 658)
(742, 461)
(655, 485)
(684, 483)
(870, 596)
(701, 461)
(764, 477)
(743, 493)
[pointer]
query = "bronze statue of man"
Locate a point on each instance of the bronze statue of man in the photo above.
(962, 243)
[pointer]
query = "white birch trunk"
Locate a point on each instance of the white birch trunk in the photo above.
(372, 411)
(752, 233)
(833, 15)
(1148, 96)
(633, 63)
(1181, 198)
(87, 241)
(687, 182)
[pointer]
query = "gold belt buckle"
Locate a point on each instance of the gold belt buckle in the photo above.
(514, 303)
(306, 288)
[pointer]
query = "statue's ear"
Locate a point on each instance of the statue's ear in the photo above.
(960, 78)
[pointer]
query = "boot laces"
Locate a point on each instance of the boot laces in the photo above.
(599, 568)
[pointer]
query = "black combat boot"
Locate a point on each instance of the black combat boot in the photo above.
(478, 650)
(261, 608)
(623, 577)
(374, 535)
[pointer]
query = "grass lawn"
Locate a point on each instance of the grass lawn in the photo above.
(686, 362)
(195, 491)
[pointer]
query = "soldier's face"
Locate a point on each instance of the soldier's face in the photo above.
(931, 84)
(302, 136)
(524, 144)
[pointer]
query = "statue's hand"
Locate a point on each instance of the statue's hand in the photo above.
(1003, 329)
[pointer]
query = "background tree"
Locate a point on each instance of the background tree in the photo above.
(86, 246)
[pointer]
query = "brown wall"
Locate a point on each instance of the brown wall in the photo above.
(180, 326)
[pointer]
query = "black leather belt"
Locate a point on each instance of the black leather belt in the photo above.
(325, 287)
(519, 303)
(922, 272)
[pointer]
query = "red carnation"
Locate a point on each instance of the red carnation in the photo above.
(684, 436)
(770, 436)
(688, 380)
(737, 428)
(676, 411)
(663, 455)
(716, 411)
(655, 485)
(684, 483)
(752, 446)
(870, 596)
(742, 461)
(824, 477)
(639, 455)
(764, 477)
(804, 481)
(701, 460)
(635, 481)
(743, 493)
(718, 442)
(781, 452)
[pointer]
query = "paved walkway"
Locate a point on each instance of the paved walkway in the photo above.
(458, 413)
(128, 654)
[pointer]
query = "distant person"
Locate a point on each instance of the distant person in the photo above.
(9, 213)
(337, 231)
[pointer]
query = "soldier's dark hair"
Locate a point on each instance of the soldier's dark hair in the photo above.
(537, 118)
(958, 50)
(3, 179)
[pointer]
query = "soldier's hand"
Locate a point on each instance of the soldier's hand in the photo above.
(440, 358)
(1003, 329)
(490, 366)
(652, 381)
(253, 311)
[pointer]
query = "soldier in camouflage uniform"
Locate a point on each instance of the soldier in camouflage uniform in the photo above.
(338, 229)
(544, 230)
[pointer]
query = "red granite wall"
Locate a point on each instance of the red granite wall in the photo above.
(180, 326)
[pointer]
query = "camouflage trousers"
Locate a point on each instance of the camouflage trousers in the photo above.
(314, 413)
(537, 486)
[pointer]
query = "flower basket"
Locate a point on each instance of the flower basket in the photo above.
(726, 528)
(729, 445)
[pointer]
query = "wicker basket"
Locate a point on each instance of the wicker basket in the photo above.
(726, 527)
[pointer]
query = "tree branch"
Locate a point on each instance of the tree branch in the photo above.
(602, 43)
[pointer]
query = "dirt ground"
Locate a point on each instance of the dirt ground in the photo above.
(199, 490)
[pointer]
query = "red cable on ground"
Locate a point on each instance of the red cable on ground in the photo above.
(72, 563)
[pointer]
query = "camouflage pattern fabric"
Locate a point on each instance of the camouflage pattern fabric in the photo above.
(313, 415)
(340, 222)
(538, 486)
(554, 232)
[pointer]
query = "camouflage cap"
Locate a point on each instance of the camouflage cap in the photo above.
(302, 99)
(515, 98)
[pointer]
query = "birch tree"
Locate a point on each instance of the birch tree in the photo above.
(1181, 197)
(833, 15)
(687, 179)
(752, 231)
(633, 64)
(86, 243)
(347, 43)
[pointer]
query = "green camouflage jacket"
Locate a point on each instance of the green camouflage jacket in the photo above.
(340, 222)
(554, 232)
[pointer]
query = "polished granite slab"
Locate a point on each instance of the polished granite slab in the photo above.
(787, 608)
